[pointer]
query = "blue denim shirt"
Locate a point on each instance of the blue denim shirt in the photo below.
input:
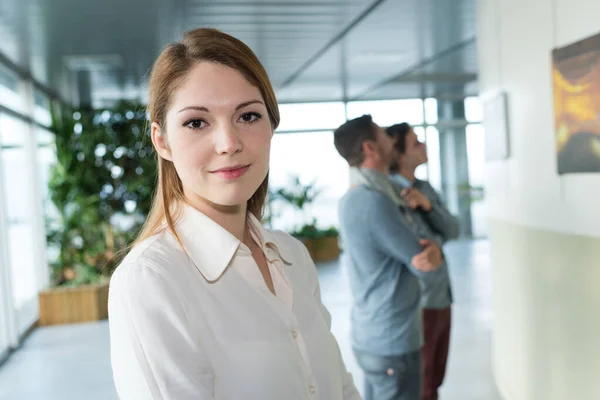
(379, 245)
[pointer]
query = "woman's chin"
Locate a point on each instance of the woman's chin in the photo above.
(221, 196)
(232, 202)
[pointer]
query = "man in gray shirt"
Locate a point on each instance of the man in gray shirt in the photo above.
(385, 261)
(435, 222)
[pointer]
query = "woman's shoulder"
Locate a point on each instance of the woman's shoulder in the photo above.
(157, 255)
(146, 279)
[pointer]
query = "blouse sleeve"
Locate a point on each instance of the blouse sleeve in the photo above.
(349, 389)
(153, 353)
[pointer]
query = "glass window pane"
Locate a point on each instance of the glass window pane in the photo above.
(10, 94)
(17, 198)
(476, 154)
(433, 154)
(313, 158)
(21, 251)
(41, 113)
(6, 311)
(389, 112)
(420, 132)
(8, 79)
(473, 110)
(15, 177)
(311, 116)
(46, 158)
(476, 165)
(13, 131)
(16, 184)
(431, 111)
(421, 171)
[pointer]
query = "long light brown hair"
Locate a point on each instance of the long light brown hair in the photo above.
(168, 74)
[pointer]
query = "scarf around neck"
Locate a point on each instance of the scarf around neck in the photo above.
(377, 181)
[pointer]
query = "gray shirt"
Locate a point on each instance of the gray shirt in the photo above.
(439, 219)
(379, 245)
(441, 226)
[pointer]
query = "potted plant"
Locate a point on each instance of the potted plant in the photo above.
(322, 244)
(100, 188)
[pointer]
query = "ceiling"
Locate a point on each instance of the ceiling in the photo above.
(315, 50)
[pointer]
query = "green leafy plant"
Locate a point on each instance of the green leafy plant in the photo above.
(101, 187)
(301, 196)
(311, 231)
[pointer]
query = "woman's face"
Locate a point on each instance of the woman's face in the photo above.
(217, 135)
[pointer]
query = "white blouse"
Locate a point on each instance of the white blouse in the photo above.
(203, 325)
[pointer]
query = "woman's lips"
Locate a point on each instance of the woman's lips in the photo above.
(231, 172)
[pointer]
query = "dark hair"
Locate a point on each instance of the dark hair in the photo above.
(350, 136)
(398, 132)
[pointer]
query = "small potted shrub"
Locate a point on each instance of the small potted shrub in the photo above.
(322, 244)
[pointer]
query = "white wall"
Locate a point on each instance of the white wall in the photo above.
(515, 41)
(545, 229)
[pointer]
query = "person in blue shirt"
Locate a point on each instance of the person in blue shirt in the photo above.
(385, 260)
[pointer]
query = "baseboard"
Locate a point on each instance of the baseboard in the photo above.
(5, 356)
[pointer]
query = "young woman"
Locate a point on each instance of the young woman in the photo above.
(209, 304)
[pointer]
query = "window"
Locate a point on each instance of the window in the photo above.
(311, 116)
(476, 154)
(476, 165)
(313, 158)
(431, 111)
(41, 112)
(17, 196)
(10, 91)
(433, 154)
(473, 110)
(389, 112)
(422, 170)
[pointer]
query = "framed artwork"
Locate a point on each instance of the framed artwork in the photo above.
(576, 80)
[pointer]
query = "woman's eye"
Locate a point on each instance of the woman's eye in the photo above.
(250, 117)
(195, 124)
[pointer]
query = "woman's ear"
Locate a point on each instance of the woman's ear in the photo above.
(159, 140)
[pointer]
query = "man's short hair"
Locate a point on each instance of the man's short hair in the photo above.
(351, 135)
(398, 133)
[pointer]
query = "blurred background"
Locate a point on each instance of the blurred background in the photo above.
(77, 172)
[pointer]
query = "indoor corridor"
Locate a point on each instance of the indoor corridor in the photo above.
(73, 362)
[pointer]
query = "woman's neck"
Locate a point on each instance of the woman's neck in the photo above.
(408, 173)
(231, 218)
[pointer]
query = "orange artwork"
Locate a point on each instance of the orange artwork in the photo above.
(576, 78)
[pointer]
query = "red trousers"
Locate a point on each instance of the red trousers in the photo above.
(436, 330)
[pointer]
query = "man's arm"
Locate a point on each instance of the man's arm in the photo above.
(391, 232)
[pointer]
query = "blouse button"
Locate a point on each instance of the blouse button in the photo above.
(311, 389)
(294, 334)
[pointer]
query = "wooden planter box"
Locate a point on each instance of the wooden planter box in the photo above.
(323, 249)
(67, 305)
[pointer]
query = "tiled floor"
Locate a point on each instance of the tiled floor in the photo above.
(72, 362)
